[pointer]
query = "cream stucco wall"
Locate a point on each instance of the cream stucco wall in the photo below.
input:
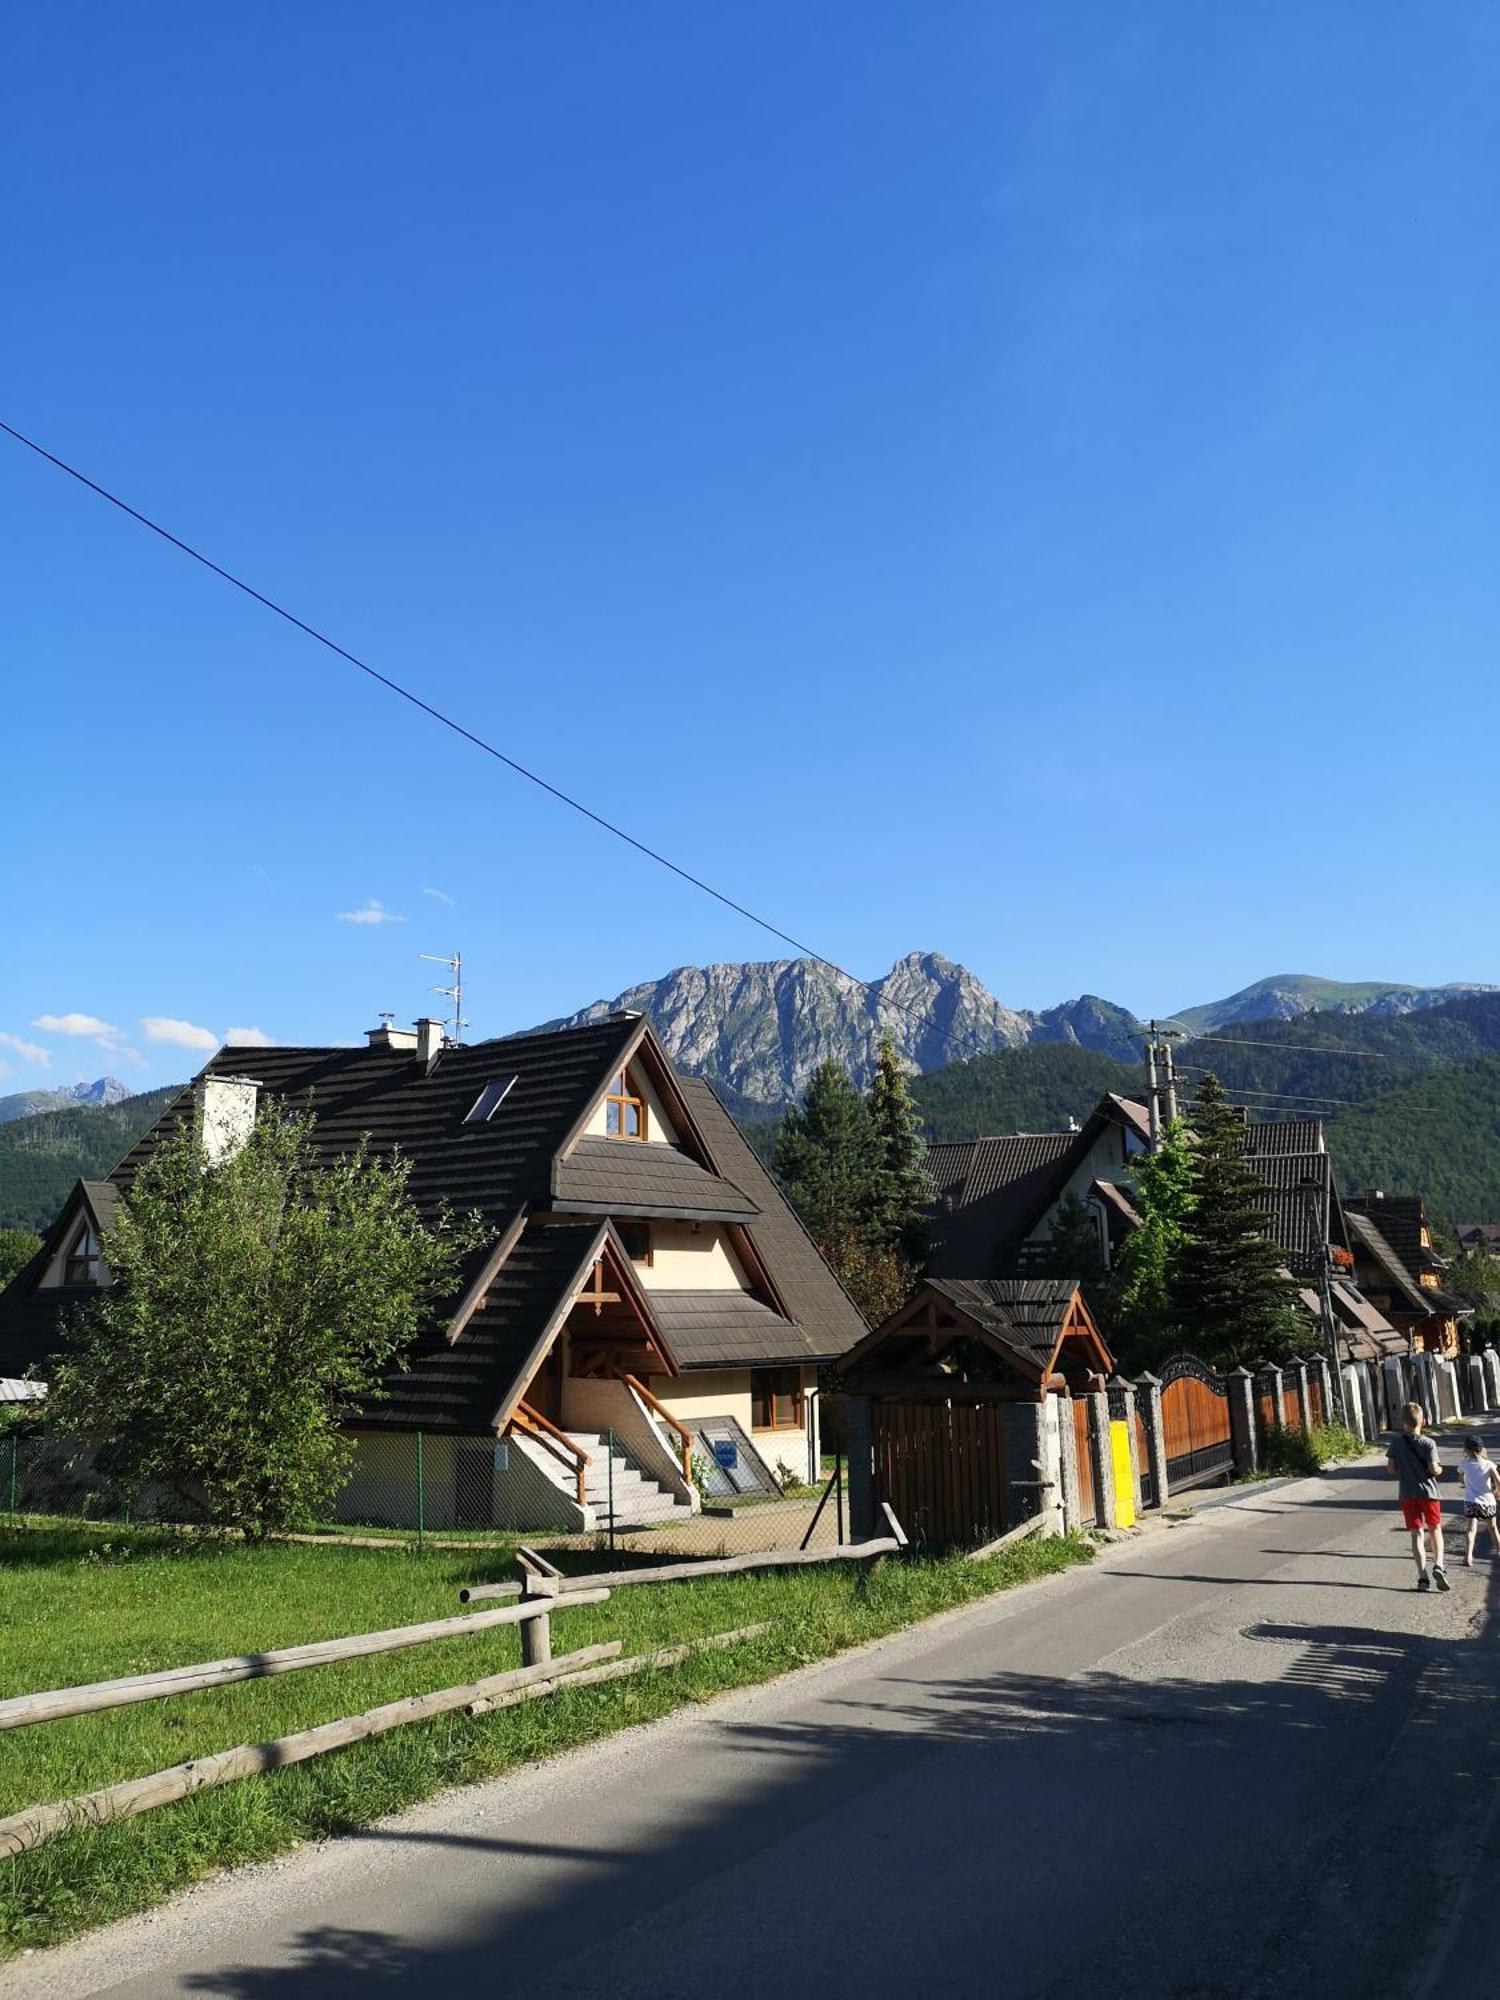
(56, 1270)
(687, 1260)
(1106, 1160)
(725, 1392)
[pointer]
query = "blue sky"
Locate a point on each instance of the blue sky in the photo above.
(1019, 482)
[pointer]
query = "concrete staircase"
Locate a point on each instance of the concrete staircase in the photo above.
(638, 1501)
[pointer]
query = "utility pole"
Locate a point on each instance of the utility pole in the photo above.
(1170, 1075)
(1153, 1105)
(1318, 1208)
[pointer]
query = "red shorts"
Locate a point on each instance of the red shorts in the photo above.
(1422, 1513)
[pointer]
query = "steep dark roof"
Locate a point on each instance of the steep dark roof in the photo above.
(1136, 1116)
(1400, 1219)
(616, 1177)
(1299, 1197)
(1285, 1135)
(946, 1163)
(459, 1385)
(1027, 1313)
(813, 1296)
(1368, 1238)
(1007, 1182)
(728, 1329)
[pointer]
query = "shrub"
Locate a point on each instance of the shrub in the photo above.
(1296, 1452)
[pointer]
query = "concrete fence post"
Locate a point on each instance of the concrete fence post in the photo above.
(1477, 1399)
(1067, 1464)
(1241, 1390)
(1148, 1403)
(859, 1467)
(1395, 1389)
(1271, 1384)
(1034, 1477)
(1492, 1378)
(1122, 1411)
(1103, 1459)
(1325, 1382)
(1356, 1400)
(1298, 1372)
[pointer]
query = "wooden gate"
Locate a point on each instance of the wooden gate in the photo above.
(1195, 1421)
(1143, 1462)
(942, 1468)
(1088, 1501)
(1315, 1398)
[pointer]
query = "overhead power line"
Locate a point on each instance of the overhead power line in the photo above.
(406, 694)
(1303, 1048)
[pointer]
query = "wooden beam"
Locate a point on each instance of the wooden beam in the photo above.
(689, 1571)
(27, 1708)
(35, 1825)
(665, 1656)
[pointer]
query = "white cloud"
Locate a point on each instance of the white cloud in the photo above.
(248, 1038)
(440, 896)
(372, 913)
(133, 1057)
(4, 1069)
(32, 1052)
(77, 1024)
(182, 1034)
(85, 1026)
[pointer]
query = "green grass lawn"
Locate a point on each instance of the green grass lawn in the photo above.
(83, 1603)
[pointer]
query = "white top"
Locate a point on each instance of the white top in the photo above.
(1476, 1476)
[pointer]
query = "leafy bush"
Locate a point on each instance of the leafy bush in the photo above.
(1291, 1453)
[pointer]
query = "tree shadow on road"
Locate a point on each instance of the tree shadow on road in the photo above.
(1180, 1836)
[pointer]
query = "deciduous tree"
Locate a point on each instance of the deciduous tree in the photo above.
(256, 1303)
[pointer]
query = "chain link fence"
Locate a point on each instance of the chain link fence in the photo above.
(439, 1490)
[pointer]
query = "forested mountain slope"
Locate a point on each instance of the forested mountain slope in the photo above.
(42, 1156)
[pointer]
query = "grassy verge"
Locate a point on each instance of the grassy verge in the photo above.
(78, 1604)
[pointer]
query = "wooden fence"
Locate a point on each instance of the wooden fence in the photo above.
(1088, 1497)
(1195, 1422)
(941, 1468)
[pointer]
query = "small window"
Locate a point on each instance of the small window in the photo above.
(776, 1399)
(625, 1109)
(489, 1100)
(84, 1264)
(636, 1236)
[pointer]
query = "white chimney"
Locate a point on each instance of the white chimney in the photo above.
(226, 1115)
(388, 1037)
(430, 1039)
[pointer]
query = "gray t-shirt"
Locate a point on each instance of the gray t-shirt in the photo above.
(1415, 1460)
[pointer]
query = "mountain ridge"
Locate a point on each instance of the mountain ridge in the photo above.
(32, 1103)
(761, 1027)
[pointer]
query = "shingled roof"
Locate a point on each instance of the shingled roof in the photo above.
(1006, 1182)
(530, 1158)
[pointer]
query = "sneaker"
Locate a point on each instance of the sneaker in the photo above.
(1440, 1577)
(1424, 1581)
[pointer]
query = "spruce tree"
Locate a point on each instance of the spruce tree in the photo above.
(902, 1191)
(829, 1161)
(1229, 1298)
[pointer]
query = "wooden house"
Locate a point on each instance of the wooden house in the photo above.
(1001, 1339)
(642, 1277)
(1398, 1269)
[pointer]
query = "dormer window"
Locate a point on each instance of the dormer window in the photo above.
(85, 1264)
(625, 1109)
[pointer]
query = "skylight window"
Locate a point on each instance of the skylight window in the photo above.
(489, 1100)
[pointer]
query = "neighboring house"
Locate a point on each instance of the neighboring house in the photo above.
(1398, 1269)
(642, 1276)
(998, 1199)
(1481, 1236)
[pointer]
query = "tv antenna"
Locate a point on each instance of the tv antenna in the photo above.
(455, 992)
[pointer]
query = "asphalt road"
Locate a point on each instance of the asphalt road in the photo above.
(1238, 1757)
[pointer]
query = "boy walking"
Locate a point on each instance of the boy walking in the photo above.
(1414, 1460)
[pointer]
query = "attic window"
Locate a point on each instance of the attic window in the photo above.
(84, 1266)
(489, 1100)
(625, 1109)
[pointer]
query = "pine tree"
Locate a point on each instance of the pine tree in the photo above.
(1228, 1296)
(901, 1190)
(828, 1159)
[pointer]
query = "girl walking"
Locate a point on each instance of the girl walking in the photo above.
(1481, 1488)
